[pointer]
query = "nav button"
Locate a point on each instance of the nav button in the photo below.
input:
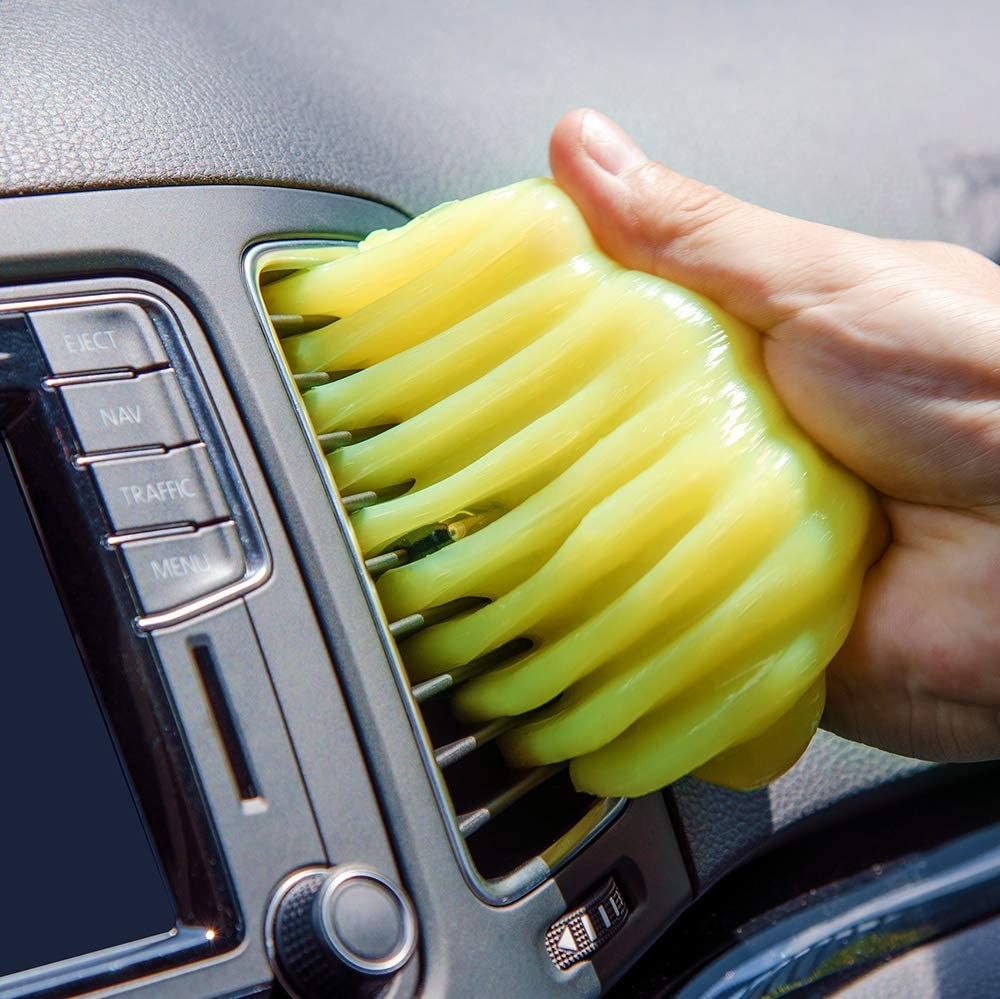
(168, 572)
(130, 413)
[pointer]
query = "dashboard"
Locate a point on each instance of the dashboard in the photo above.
(216, 736)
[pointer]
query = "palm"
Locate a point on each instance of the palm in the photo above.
(887, 354)
(903, 399)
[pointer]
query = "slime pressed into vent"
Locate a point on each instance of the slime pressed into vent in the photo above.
(588, 511)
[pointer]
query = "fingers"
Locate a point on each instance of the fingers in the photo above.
(760, 265)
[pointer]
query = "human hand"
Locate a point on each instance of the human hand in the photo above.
(887, 353)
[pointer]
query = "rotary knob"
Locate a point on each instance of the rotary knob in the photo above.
(340, 930)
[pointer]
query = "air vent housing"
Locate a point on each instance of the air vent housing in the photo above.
(510, 828)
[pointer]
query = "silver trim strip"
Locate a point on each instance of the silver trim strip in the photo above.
(85, 378)
(83, 460)
(496, 891)
(165, 531)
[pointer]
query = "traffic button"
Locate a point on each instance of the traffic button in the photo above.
(177, 487)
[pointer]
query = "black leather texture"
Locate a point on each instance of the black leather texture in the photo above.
(881, 117)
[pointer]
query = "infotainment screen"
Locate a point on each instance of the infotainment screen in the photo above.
(77, 869)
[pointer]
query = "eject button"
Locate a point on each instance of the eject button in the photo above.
(103, 337)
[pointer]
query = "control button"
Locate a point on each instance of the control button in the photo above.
(172, 571)
(98, 338)
(365, 918)
(172, 488)
(577, 935)
(131, 412)
(338, 931)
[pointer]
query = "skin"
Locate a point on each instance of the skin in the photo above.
(887, 352)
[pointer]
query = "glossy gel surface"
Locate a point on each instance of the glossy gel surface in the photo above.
(664, 561)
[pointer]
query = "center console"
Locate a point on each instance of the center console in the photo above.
(222, 784)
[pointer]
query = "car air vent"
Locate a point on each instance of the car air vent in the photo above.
(511, 828)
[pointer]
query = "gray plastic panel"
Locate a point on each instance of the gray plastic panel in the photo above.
(267, 837)
(722, 826)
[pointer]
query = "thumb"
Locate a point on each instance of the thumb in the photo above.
(762, 266)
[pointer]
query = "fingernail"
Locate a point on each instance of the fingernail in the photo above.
(607, 145)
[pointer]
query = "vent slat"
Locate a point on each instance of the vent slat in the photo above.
(472, 821)
(452, 752)
(306, 380)
(289, 325)
(413, 623)
(378, 564)
(445, 681)
(332, 441)
(358, 501)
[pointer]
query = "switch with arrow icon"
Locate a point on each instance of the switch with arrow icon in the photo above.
(578, 934)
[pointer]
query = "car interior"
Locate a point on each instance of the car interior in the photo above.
(219, 779)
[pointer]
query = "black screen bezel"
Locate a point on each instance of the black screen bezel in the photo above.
(121, 663)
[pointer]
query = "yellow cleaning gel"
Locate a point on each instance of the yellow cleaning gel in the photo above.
(617, 536)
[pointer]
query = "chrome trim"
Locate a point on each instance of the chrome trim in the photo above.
(163, 531)
(175, 615)
(86, 377)
(257, 554)
(83, 460)
(496, 891)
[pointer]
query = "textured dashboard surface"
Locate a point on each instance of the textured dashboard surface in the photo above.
(880, 117)
(722, 825)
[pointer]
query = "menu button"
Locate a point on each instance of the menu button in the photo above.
(168, 572)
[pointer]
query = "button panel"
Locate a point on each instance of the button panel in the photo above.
(125, 413)
(101, 337)
(122, 392)
(174, 570)
(178, 487)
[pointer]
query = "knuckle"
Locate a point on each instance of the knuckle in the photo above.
(683, 206)
(670, 214)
